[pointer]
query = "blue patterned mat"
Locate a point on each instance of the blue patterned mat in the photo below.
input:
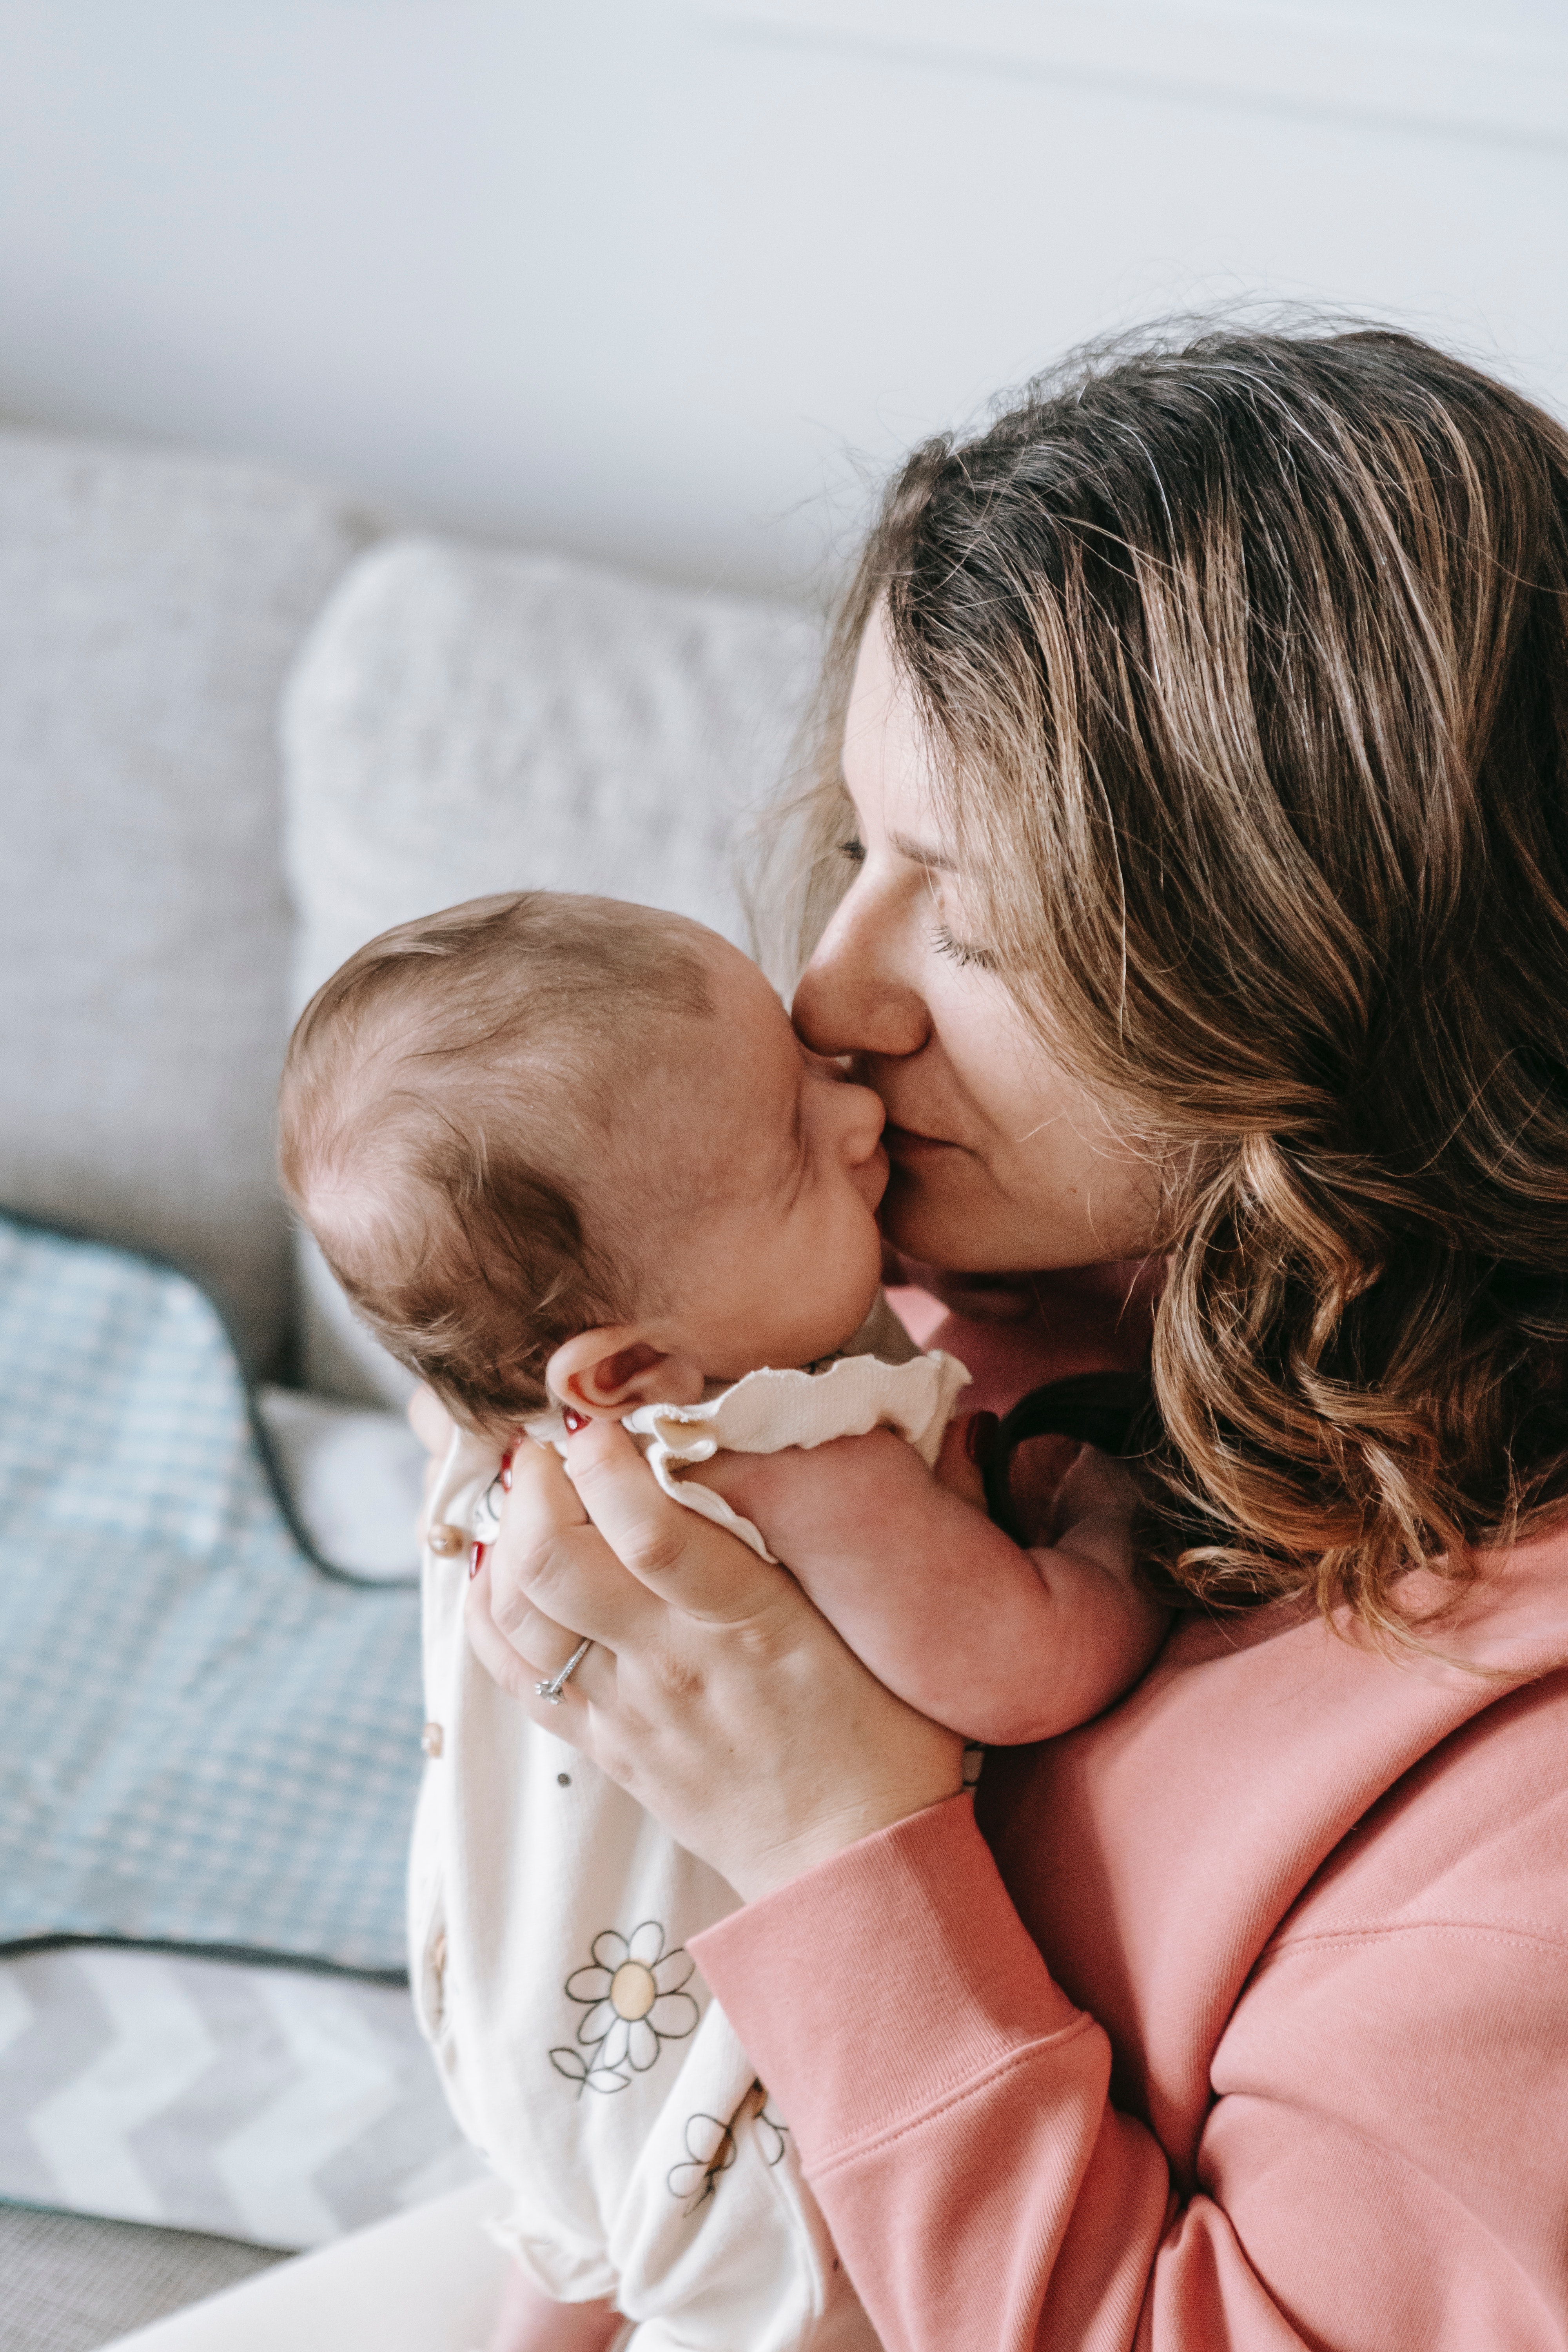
(204, 1738)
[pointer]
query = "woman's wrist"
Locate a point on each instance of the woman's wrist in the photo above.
(769, 1867)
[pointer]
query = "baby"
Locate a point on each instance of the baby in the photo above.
(565, 1152)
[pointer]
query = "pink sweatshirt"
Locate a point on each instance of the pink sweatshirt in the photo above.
(1239, 2017)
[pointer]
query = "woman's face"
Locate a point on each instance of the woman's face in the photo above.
(1001, 1162)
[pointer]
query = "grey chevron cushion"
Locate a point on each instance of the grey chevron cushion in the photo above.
(277, 2104)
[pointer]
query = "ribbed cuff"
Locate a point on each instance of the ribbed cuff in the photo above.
(884, 1982)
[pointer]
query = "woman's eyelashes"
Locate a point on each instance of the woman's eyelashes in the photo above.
(957, 951)
(852, 849)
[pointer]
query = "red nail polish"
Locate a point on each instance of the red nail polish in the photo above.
(506, 1474)
(574, 1419)
(980, 1435)
(476, 1561)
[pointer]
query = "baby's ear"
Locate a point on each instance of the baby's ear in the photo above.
(610, 1371)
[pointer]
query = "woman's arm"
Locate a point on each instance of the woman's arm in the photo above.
(1382, 2170)
(1372, 2174)
(949, 2102)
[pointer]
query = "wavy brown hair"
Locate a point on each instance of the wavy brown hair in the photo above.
(1246, 664)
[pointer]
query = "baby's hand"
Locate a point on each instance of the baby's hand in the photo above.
(967, 1443)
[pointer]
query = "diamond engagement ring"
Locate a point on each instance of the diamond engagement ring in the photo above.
(552, 1689)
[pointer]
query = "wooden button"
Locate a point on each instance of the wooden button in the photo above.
(430, 1739)
(445, 1542)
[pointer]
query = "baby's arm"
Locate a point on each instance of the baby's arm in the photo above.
(1003, 1644)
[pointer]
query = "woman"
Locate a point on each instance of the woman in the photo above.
(1204, 899)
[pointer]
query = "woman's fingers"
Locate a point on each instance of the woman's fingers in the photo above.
(539, 1640)
(504, 1664)
(540, 1500)
(519, 1671)
(964, 1448)
(547, 1562)
(713, 1690)
(673, 1553)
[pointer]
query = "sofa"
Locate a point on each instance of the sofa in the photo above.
(244, 725)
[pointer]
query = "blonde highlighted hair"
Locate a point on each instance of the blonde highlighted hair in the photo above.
(1246, 667)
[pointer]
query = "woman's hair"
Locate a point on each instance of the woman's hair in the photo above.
(445, 1091)
(1246, 664)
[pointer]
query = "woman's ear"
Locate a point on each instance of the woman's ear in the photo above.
(610, 1371)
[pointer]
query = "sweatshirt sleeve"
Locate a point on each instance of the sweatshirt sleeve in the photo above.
(951, 2111)
(949, 2102)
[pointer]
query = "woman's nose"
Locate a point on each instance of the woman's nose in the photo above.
(851, 999)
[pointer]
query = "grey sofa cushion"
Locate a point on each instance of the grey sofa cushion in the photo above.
(465, 720)
(150, 605)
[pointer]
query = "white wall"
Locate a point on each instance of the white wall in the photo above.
(664, 283)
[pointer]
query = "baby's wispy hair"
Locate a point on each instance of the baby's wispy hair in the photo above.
(441, 1089)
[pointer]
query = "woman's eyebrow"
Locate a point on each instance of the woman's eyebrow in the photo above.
(920, 853)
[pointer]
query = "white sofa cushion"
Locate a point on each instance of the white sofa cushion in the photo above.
(463, 720)
(150, 605)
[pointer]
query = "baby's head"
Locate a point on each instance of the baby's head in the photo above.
(563, 1146)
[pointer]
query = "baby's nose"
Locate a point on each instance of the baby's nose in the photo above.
(867, 1117)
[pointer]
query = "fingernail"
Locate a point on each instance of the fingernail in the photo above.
(980, 1435)
(574, 1419)
(476, 1561)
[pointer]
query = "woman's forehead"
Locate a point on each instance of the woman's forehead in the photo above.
(887, 766)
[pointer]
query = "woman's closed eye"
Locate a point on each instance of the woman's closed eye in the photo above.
(852, 849)
(960, 952)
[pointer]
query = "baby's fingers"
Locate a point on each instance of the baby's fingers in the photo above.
(1095, 1488)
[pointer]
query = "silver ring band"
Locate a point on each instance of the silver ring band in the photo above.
(552, 1689)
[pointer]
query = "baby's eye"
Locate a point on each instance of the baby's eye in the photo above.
(956, 952)
(853, 850)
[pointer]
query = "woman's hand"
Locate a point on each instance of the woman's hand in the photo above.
(714, 1692)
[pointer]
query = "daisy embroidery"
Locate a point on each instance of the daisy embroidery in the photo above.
(634, 1996)
(710, 2148)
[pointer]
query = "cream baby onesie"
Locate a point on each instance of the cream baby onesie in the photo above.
(548, 1921)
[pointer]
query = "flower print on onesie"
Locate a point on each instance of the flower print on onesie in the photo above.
(636, 1998)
